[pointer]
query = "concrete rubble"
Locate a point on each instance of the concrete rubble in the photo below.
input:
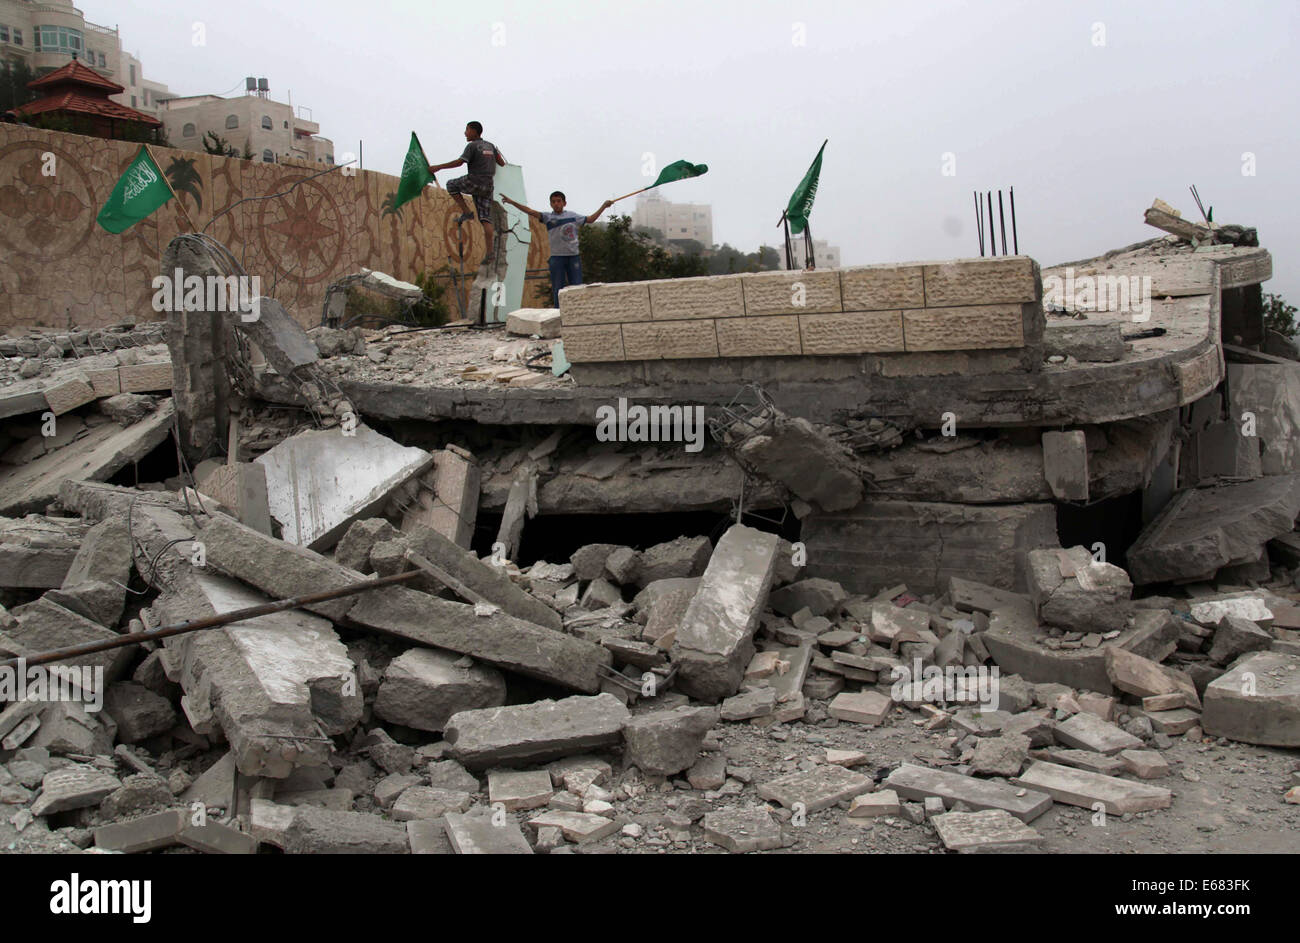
(834, 626)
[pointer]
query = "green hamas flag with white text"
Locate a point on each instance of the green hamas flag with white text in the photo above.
(140, 191)
(801, 201)
(679, 170)
(415, 174)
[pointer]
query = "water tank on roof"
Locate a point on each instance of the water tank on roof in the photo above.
(263, 85)
(250, 84)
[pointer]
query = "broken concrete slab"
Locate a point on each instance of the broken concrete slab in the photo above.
(1083, 788)
(807, 461)
(532, 733)
(578, 827)
(872, 804)
(1136, 675)
(519, 791)
(147, 833)
(483, 579)
(277, 686)
(309, 830)
(742, 830)
(681, 558)
(479, 835)
(1256, 701)
(241, 487)
(282, 569)
(715, 640)
(1065, 464)
(1003, 755)
(138, 712)
(353, 549)
(665, 742)
(1203, 529)
(422, 688)
(869, 708)
(429, 802)
(98, 577)
(36, 552)
(816, 789)
(989, 830)
(918, 782)
(319, 481)
(44, 625)
(543, 322)
(1086, 731)
(496, 638)
(449, 496)
(100, 454)
(819, 596)
(73, 787)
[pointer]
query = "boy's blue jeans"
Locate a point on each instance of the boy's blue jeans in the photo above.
(566, 270)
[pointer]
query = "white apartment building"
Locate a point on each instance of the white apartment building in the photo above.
(45, 35)
(269, 129)
(825, 255)
(675, 220)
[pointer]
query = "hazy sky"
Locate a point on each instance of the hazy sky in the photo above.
(1089, 109)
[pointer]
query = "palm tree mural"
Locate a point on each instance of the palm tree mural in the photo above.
(185, 179)
(388, 206)
(389, 209)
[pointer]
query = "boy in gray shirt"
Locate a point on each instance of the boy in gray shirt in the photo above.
(483, 159)
(562, 231)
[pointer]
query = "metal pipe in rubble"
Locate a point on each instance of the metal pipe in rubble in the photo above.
(181, 628)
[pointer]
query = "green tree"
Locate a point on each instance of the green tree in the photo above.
(248, 149)
(614, 253)
(1280, 316)
(14, 76)
(214, 143)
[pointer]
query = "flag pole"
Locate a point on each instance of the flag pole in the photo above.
(633, 193)
(179, 201)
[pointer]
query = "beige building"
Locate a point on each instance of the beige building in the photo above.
(46, 35)
(269, 129)
(675, 220)
(825, 255)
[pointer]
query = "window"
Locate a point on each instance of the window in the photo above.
(269, 156)
(329, 158)
(132, 101)
(267, 123)
(4, 34)
(103, 63)
(146, 96)
(18, 37)
(133, 73)
(232, 121)
(286, 124)
(188, 130)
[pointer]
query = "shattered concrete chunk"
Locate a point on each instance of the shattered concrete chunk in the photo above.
(1203, 529)
(1235, 637)
(353, 550)
(532, 733)
(664, 742)
(139, 713)
(429, 802)
(307, 830)
(715, 640)
(37, 552)
(682, 558)
(480, 835)
(1075, 592)
(1065, 464)
(423, 687)
(1088, 732)
(577, 827)
(819, 596)
(1256, 701)
(73, 787)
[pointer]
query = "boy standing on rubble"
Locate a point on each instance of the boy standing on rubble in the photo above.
(562, 231)
(483, 158)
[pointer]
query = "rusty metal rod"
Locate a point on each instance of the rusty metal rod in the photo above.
(180, 628)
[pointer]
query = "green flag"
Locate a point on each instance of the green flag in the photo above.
(801, 201)
(415, 174)
(140, 191)
(679, 170)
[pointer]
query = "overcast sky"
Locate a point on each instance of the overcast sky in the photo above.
(1089, 109)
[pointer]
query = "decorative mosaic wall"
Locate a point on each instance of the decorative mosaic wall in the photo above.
(58, 267)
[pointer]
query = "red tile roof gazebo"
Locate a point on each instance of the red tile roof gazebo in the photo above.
(80, 95)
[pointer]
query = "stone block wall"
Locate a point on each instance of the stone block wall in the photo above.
(965, 304)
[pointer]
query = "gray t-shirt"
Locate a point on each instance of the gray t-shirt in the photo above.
(562, 231)
(481, 156)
